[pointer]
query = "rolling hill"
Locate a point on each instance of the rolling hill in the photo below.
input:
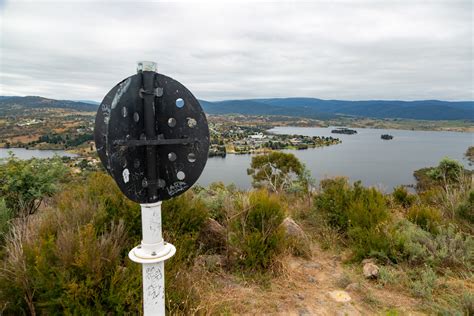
(10, 104)
(318, 108)
(299, 107)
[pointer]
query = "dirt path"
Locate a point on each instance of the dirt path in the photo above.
(309, 287)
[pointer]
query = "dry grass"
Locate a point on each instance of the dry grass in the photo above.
(300, 286)
(24, 138)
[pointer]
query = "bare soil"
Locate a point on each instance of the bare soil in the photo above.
(303, 287)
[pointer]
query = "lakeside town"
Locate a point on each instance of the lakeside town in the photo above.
(249, 139)
(52, 129)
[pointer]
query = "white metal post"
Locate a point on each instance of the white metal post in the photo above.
(153, 250)
(152, 253)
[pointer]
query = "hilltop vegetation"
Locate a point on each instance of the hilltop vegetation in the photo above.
(281, 247)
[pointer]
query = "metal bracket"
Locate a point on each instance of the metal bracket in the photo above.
(157, 92)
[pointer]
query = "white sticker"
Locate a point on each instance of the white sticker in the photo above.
(126, 175)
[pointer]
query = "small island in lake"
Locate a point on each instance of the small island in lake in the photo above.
(343, 130)
(386, 136)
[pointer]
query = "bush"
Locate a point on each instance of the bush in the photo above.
(423, 283)
(360, 213)
(257, 235)
(403, 197)
(448, 248)
(334, 201)
(5, 217)
(466, 209)
(426, 217)
(182, 219)
(68, 260)
(72, 258)
(25, 183)
(367, 218)
(217, 198)
(432, 196)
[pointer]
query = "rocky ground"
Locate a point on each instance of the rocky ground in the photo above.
(322, 285)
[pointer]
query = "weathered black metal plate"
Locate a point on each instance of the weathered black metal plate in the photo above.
(181, 142)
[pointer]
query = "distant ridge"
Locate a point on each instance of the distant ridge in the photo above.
(10, 103)
(318, 108)
(299, 107)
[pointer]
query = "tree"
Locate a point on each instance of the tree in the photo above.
(448, 171)
(25, 183)
(278, 171)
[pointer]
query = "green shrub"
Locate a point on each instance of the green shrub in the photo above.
(257, 234)
(432, 196)
(423, 283)
(403, 197)
(410, 243)
(184, 214)
(100, 196)
(426, 217)
(25, 183)
(217, 197)
(182, 219)
(388, 276)
(333, 201)
(69, 260)
(448, 248)
(467, 301)
(466, 209)
(367, 215)
(5, 217)
(360, 213)
(72, 258)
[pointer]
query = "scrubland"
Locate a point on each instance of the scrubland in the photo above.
(283, 247)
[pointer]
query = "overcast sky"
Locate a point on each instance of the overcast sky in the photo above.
(353, 50)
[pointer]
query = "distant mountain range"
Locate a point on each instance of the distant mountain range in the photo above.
(20, 103)
(300, 107)
(317, 108)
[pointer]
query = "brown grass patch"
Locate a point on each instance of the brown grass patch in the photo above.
(24, 138)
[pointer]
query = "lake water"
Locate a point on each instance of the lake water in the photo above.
(363, 156)
(23, 153)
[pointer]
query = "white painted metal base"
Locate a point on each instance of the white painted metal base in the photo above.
(139, 255)
(152, 253)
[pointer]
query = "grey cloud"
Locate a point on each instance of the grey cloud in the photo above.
(334, 50)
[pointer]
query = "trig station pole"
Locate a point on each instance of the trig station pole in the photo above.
(153, 250)
(152, 253)
(138, 105)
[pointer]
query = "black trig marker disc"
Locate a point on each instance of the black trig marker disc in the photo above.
(152, 136)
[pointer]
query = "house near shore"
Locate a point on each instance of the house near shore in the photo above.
(258, 136)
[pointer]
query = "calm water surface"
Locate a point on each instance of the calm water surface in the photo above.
(363, 156)
(23, 153)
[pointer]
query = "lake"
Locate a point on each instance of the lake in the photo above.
(363, 156)
(23, 153)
